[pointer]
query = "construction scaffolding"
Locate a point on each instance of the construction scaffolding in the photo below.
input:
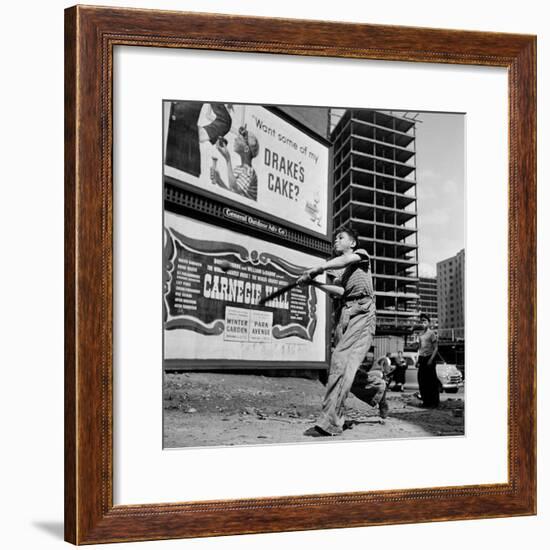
(374, 182)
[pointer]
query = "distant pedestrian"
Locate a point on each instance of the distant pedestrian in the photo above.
(428, 384)
(398, 376)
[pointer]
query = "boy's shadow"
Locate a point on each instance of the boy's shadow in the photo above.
(349, 424)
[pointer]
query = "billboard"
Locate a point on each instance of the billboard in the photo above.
(249, 155)
(213, 280)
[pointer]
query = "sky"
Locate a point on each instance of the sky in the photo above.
(440, 174)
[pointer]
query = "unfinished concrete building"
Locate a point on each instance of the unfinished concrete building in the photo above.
(427, 292)
(375, 190)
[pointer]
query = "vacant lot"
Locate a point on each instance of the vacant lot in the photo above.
(247, 409)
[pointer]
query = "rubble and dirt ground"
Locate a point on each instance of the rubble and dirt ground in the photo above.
(213, 409)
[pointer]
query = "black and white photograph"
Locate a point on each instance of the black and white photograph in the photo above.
(313, 274)
(285, 257)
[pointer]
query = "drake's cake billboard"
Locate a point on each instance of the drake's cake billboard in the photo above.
(249, 155)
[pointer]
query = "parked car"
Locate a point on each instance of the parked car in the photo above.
(450, 378)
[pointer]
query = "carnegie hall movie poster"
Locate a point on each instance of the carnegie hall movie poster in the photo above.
(214, 279)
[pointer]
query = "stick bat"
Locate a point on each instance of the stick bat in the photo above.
(282, 290)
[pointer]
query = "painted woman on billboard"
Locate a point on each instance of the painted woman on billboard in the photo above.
(248, 154)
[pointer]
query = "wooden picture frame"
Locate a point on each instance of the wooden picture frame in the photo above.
(91, 33)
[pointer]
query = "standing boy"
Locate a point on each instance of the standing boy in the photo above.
(428, 384)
